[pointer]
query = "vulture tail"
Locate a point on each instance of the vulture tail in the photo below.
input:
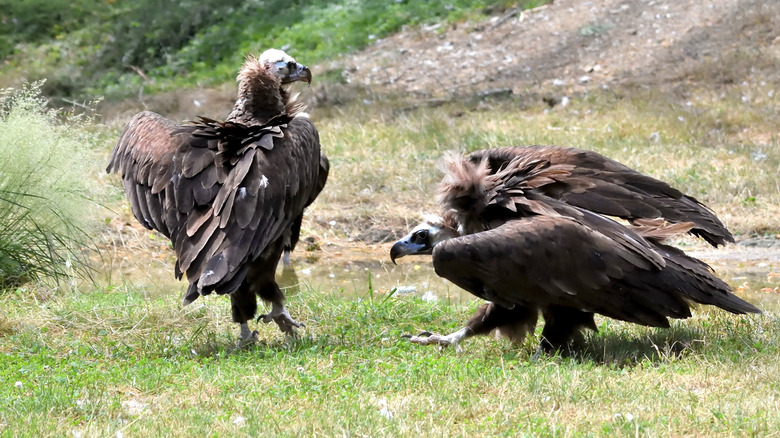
(695, 280)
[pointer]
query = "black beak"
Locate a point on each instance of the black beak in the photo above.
(405, 247)
(300, 73)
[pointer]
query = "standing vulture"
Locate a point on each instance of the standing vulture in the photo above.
(527, 229)
(230, 195)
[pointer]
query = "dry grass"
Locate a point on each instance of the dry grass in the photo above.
(719, 149)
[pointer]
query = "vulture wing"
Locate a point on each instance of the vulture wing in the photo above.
(295, 230)
(144, 158)
(604, 186)
(562, 261)
(224, 191)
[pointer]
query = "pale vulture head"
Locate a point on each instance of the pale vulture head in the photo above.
(423, 238)
(284, 66)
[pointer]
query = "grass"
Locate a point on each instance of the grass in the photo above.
(125, 357)
(97, 48)
(47, 190)
(122, 358)
(129, 361)
(384, 156)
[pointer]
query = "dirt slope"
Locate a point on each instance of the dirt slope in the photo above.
(575, 45)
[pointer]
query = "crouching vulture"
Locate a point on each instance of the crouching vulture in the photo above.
(230, 195)
(528, 229)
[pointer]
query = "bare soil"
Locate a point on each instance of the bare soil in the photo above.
(573, 46)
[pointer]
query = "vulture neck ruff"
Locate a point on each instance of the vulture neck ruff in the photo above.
(462, 193)
(481, 198)
(261, 96)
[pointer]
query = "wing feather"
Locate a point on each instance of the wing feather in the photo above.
(143, 156)
(602, 185)
(223, 192)
(560, 261)
(262, 190)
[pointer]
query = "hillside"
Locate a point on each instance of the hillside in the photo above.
(575, 46)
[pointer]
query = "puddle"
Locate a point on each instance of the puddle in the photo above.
(754, 273)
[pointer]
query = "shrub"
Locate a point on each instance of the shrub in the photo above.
(46, 186)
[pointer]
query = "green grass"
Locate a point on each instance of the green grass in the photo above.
(97, 48)
(122, 358)
(130, 360)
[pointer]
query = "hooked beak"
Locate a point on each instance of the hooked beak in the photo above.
(301, 73)
(405, 247)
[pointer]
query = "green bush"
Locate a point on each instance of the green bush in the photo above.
(47, 181)
(114, 48)
(35, 21)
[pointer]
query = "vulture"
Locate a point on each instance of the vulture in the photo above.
(230, 194)
(535, 230)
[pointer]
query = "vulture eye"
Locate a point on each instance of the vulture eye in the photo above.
(291, 66)
(420, 236)
(282, 66)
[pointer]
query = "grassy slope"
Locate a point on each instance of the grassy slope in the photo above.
(113, 49)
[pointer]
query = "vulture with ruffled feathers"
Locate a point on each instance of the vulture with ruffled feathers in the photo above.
(528, 229)
(230, 195)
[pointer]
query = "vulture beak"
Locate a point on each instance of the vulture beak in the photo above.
(299, 73)
(409, 245)
(422, 239)
(405, 247)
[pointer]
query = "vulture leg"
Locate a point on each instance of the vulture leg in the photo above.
(454, 338)
(243, 307)
(562, 329)
(261, 276)
(513, 324)
(246, 336)
(291, 239)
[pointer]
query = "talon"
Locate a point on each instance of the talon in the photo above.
(427, 338)
(419, 335)
(282, 318)
(246, 337)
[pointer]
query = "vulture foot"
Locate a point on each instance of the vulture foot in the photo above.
(246, 337)
(282, 318)
(565, 349)
(428, 338)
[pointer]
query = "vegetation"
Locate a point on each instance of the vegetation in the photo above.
(129, 361)
(121, 357)
(100, 48)
(45, 190)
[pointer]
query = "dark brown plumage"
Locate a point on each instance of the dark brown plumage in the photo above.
(527, 229)
(229, 194)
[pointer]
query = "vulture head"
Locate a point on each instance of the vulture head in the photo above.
(282, 66)
(423, 238)
(261, 87)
